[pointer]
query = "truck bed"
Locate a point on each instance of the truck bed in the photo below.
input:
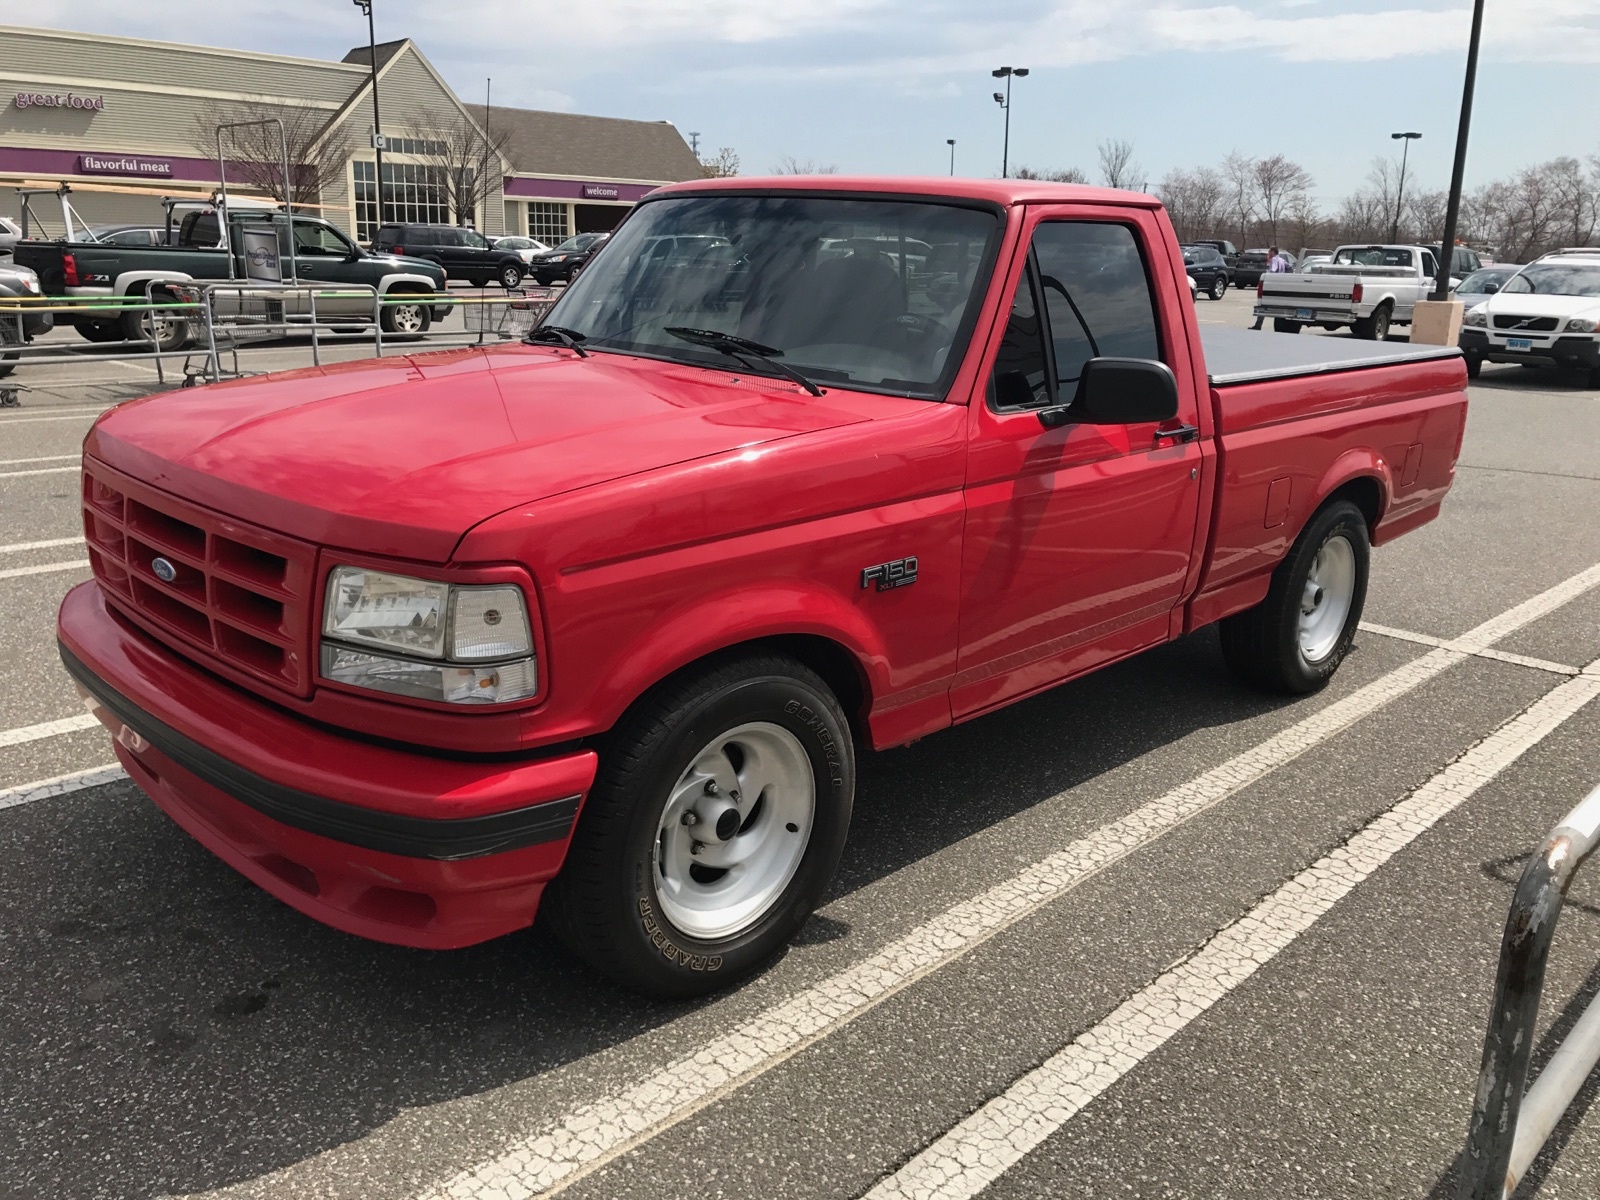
(1249, 356)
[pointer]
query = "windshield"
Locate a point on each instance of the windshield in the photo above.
(1478, 281)
(1557, 279)
(871, 293)
(1372, 256)
(577, 242)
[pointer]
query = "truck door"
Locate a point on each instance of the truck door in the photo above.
(1078, 538)
(322, 255)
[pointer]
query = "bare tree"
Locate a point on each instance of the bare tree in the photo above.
(1117, 168)
(1051, 174)
(254, 153)
(1279, 180)
(1573, 196)
(790, 165)
(466, 156)
(1239, 191)
(1425, 211)
(1305, 220)
(725, 164)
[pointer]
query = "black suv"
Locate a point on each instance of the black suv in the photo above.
(463, 253)
(566, 260)
(1207, 267)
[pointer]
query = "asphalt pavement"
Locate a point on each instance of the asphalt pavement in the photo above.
(1147, 935)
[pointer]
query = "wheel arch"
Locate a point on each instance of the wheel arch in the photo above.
(1367, 486)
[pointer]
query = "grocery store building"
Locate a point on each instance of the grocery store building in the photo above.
(124, 122)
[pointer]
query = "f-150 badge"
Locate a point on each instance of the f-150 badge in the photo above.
(899, 573)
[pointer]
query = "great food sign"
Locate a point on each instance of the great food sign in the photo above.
(59, 100)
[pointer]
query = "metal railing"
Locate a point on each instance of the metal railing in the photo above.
(1510, 1121)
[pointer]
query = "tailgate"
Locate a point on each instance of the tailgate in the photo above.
(1291, 286)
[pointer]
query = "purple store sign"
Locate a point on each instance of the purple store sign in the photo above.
(601, 191)
(124, 164)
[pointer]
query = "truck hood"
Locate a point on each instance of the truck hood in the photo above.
(401, 456)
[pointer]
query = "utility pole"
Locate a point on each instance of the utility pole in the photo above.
(951, 142)
(1006, 73)
(1441, 286)
(1399, 193)
(377, 117)
(694, 142)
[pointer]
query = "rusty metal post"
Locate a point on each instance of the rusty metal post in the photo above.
(1496, 1157)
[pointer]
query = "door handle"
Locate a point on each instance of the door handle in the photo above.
(1176, 435)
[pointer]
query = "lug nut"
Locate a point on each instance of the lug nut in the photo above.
(711, 787)
(696, 847)
(691, 817)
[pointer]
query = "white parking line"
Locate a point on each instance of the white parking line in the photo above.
(593, 1134)
(44, 568)
(45, 729)
(1520, 660)
(73, 416)
(985, 1145)
(60, 785)
(40, 471)
(19, 547)
(17, 462)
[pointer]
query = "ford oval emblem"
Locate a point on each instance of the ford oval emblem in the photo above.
(164, 569)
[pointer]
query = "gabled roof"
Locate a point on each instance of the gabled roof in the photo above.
(386, 50)
(567, 144)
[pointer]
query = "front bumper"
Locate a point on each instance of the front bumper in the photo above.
(400, 847)
(1572, 350)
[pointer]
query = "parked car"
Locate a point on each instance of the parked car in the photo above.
(10, 234)
(524, 247)
(463, 253)
(1229, 252)
(566, 259)
(322, 253)
(1206, 267)
(1463, 262)
(19, 283)
(1547, 314)
(129, 235)
(1368, 288)
(1484, 282)
(1251, 266)
(597, 624)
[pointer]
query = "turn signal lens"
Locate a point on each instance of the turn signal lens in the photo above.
(488, 622)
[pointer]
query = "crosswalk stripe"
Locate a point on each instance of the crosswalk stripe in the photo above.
(593, 1134)
(985, 1145)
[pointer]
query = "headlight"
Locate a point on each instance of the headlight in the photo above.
(1475, 316)
(458, 644)
(1582, 325)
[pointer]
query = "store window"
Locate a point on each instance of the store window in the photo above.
(414, 193)
(547, 222)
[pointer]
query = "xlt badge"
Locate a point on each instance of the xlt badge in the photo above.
(899, 573)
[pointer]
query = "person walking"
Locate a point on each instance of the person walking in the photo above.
(1277, 262)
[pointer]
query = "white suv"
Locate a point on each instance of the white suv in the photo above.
(1548, 314)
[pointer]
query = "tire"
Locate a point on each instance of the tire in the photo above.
(478, 281)
(405, 319)
(1376, 327)
(99, 331)
(1219, 285)
(1279, 645)
(1285, 326)
(510, 275)
(1594, 377)
(542, 279)
(171, 333)
(628, 900)
(1474, 366)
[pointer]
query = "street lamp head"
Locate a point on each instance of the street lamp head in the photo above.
(1407, 136)
(364, 5)
(1001, 72)
(1020, 72)
(999, 99)
(949, 141)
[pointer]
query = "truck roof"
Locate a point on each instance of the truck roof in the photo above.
(997, 191)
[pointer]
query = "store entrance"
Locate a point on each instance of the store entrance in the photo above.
(597, 218)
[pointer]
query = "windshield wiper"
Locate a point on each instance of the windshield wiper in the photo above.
(744, 350)
(556, 333)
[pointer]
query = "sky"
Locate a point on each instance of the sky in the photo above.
(877, 86)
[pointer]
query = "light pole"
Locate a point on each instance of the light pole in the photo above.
(951, 142)
(377, 118)
(1399, 193)
(1004, 102)
(1441, 287)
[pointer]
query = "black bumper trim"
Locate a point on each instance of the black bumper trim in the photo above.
(447, 839)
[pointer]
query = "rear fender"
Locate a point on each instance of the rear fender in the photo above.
(1362, 462)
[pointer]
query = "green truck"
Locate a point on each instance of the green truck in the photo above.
(106, 276)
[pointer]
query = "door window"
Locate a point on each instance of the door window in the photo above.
(1430, 267)
(319, 241)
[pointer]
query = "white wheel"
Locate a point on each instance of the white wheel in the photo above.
(1330, 589)
(734, 830)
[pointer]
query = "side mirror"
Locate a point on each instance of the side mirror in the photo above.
(1490, 289)
(1119, 391)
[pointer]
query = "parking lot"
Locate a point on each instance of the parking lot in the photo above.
(1146, 935)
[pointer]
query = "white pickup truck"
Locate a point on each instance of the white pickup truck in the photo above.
(1367, 288)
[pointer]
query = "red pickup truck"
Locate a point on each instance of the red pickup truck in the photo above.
(597, 623)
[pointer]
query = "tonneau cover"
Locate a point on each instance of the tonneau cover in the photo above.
(1249, 355)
